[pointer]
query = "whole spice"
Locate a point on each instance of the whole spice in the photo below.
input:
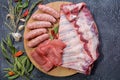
(9, 16)
(11, 73)
(17, 36)
(21, 27)
(17, 54)
(22, 20)
(25, 13)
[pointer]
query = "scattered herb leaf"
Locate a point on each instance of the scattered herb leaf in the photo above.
(56, 29)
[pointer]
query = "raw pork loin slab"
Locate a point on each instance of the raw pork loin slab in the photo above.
(78, 31)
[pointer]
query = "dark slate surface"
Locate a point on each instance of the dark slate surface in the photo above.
(107, 16)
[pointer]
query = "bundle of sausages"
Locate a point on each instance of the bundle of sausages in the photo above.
(38, 29)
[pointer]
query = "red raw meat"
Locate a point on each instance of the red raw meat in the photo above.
(48, 66)
(49, 54)
(58, 43)
(41, 60)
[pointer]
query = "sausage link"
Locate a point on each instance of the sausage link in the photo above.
(49, 10)
(39, 24)
(34, 33)
(36, 41)
(44, 17)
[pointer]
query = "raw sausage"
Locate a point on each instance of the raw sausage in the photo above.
(34, 42)
(39, 24)
(49, 10)
(34, 33)
(44, 17)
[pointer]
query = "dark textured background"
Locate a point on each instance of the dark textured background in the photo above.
(107, 17)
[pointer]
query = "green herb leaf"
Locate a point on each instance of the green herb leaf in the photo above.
(51, 37)
(22, 70)
(19, 65)
(19, 6)
(24, 60)
(28, 64)
(30, 68)
(9, 41)
(15, 67)
(6, 75)
(7, 69)
(56, 29)
(22, 57)
(25, 4)
(13, 49)
(4, 51)
(13, 77)
(9, 45)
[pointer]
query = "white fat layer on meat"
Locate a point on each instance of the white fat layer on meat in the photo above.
(85, 26)
(70, 37)
(77, 48)
(71, 7)
(75, 66)
(92, 46)
(71, 17)
(79, 57)
(79, 65)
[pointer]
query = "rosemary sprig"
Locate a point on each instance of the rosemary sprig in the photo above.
(3, 6)
(11, 12)
(8, 26)
(18, 19)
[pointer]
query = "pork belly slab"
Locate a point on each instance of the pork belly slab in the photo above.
(78, 31)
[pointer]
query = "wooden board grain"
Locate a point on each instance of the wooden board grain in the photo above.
(58, 71)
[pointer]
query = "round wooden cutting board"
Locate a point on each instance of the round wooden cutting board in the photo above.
(58, 71)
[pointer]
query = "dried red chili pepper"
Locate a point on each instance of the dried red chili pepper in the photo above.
(11, 73)
(17, 54)
(25, 13)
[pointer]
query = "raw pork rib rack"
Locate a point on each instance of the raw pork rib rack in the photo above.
(78, 31)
